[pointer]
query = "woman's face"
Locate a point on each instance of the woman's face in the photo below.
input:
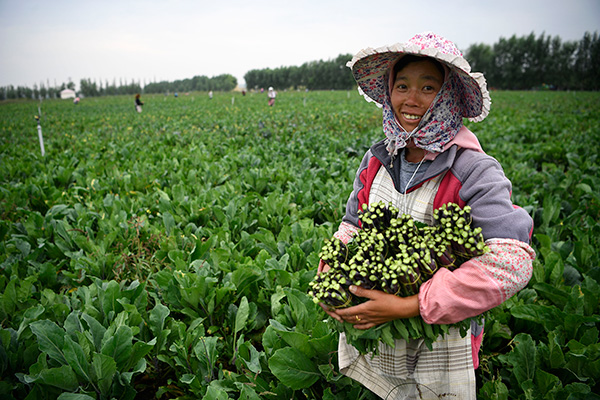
(415, 87)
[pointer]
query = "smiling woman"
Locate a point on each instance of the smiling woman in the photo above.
(428, 159)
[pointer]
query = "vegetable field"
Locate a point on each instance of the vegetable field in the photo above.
(168, 254)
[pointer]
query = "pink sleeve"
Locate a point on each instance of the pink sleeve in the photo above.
(479, 284)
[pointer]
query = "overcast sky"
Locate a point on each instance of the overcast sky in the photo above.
(52, 41)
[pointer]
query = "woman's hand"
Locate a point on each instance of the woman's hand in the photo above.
(380, 308)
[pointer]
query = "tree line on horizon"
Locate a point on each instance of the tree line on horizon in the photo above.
(515, 63)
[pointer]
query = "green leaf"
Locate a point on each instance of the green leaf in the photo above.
(118, 346)
(62, 377)
(549, 317)
(303, 319)
(157, 318)
(251, 357)
(96, 329)
(104, 369)
(276, 298)
(585, 188)
(556, 356)
(293, 368)
(299, 341)
(77, 360)
(546, 382)
(522, 358)
(72, 324)
(168, 221)
(206, 350)
(401, 331)
(29, 315)
(242, 315)
(138, 368)
(51, 339)
(108, 298)
(141, 349)
(213, 393)
(75, 396)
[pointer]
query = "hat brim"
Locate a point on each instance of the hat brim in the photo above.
(371, 67)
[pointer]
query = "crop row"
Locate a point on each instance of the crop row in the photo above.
(169, 253)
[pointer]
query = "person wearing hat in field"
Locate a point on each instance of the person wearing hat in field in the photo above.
(429, 158)
(271, 94)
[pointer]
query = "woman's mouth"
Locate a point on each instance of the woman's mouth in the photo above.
(411, 117)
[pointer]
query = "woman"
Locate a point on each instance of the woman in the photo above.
(271, 94)
(138, 103)
(430, 158)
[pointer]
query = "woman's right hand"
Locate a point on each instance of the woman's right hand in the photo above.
(322, 267)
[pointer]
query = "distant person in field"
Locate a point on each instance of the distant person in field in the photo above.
(429, 158)
(210, 94)
(138, 103)
(271, 94)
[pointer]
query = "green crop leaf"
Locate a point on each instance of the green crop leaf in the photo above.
(551, 210)
(297, 340)
(75, 396)
(51, 339)
(157, 318)
(168, 221)
(118, 346)
(549, 317)
(522, 358)
(140, 349)
(251, 357)
(207, 353)
(30, 315)
(108, 298)
(293, 368)
(215, 394)
(241, 316)
(546, 382)
(8, 300)
(77, 360)
(556, 355)
(104, 369)
(96, 329)
(62, 377)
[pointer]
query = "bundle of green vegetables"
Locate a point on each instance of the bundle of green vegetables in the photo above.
(395, 254)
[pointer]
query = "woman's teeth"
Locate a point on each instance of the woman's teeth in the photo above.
(410, 116)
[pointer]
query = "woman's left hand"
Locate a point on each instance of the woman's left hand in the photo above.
(380, 308)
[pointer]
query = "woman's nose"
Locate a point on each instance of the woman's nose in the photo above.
(412, 97)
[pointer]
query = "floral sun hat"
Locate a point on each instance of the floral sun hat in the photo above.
(371, 67)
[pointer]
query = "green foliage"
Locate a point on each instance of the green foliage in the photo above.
(168, 254)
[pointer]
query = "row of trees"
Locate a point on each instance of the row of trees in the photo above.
(41, 91)
(223, 83)
(516, 63)
(522, 63)
(314, 75)
(90, 88)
